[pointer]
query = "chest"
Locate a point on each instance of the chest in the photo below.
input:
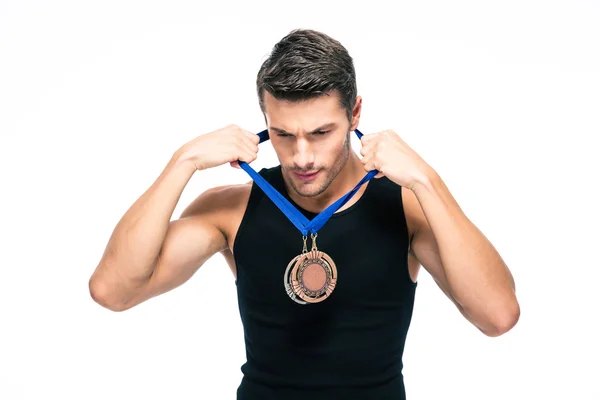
(370, 257)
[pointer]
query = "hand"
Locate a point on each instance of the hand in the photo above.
(228, 144)
(392, 157)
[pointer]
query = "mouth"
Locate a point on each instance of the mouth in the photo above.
(306, 177)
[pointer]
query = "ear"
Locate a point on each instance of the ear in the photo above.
(356, 113)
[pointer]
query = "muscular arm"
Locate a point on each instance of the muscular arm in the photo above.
(461, 260)
(189, 242)
(148, 254)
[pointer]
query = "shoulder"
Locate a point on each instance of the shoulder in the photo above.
(225, 205)
(222, 207)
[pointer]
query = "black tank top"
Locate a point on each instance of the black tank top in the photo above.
(348, 346)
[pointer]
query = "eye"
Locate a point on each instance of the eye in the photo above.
(321, 132)
(284, 135)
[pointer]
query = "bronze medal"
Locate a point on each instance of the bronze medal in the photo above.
(311, 276)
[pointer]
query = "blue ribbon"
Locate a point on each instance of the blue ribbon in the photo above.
(296, 217)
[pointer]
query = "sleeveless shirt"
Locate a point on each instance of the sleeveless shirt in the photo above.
(348, 346)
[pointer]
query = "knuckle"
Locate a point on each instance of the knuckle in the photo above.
(235, 129)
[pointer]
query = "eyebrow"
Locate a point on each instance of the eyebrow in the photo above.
(322, 127)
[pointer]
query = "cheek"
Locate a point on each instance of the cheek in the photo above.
(335, 145)
(284, 151)
(334, 153)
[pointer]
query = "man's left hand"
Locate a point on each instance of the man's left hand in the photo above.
(386, 152)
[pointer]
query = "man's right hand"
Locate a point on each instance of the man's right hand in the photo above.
(228, 144)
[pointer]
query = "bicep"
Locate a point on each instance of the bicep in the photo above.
(424, 248)
(423, 245)
(190, 241)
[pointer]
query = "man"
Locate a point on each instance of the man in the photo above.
(349, 345)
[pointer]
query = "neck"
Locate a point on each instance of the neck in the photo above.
(352, 172)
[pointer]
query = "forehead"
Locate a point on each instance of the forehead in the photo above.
(305, 113)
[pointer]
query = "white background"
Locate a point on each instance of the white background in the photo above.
(501, 98)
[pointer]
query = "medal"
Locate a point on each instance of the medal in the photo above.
(311, 276)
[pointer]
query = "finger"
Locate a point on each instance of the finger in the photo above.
(252, 144)
(250, 139)
(370, 162)
(254, 138)
(235, 164)
(366, 161)
(368, 138)
(366, 149)
(245, 146)
(247, 156)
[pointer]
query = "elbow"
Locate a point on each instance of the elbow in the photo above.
(504, 320)
(100, 293)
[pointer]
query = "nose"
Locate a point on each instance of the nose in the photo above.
(304, 156)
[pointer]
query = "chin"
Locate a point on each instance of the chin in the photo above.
(309, 191)
(311, 188)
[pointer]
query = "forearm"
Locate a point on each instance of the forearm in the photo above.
(135, 243)
(477, 277)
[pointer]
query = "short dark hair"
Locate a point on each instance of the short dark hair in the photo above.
(306, 64)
